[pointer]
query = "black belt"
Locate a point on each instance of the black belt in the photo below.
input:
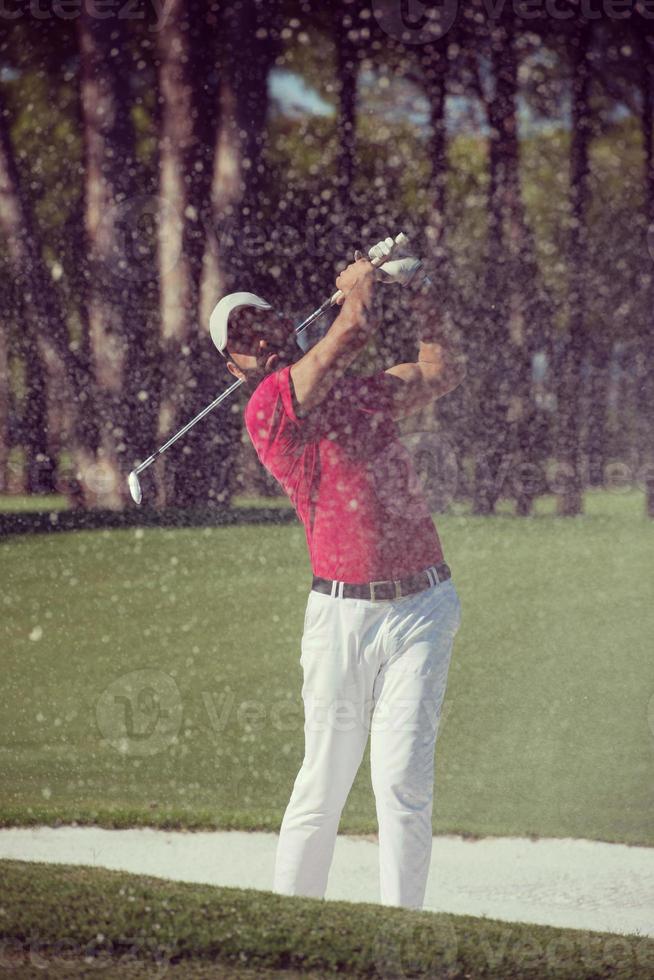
(384, 590)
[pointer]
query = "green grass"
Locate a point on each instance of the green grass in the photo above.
(24, 503)
(51, 914)
(243, 500)
(545, 726)
(64, 967)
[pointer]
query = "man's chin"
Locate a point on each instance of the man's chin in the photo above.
(275, 362)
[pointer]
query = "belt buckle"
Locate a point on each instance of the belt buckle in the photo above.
(395, 583)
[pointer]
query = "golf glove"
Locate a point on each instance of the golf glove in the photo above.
(382, 250)
(400, 271)
(400, 268)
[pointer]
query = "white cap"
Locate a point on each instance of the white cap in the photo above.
(219, 319)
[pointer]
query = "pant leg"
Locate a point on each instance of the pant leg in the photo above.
(338, 662)
(408, 695)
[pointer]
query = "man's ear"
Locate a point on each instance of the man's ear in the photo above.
(231, 367)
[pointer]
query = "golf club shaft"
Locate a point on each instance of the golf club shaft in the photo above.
(316, 313)
(189, 425)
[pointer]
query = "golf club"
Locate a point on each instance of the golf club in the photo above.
(133, 479)
(400, 241)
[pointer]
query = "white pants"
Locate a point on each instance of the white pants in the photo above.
(379, 667)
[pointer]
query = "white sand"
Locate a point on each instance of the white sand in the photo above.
(573, 883)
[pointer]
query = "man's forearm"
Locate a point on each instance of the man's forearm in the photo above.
(359, 309)
(314, 374)
(359, 316)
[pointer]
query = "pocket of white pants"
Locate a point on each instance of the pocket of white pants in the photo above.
(315, 617)
(312, 611)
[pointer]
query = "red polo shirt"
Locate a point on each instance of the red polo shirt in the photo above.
(348, 477)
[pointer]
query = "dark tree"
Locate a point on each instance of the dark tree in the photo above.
(41, 329)
(122, 275)
(569, 500)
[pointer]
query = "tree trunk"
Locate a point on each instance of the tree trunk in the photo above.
(82, 406)
(646, 394)
(122, 293)
(45, 326)
(527, 303)
(570, 500)
(434, 67)
(189, 82)
(4, 404)
(433, 72)
(492, 442)
(346, 80)
(509, 450)
(236, 257)
(595, 410)
(248, 52)
(40, 466)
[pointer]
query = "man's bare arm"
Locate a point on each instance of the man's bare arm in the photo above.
(315, 374)
(441, 364)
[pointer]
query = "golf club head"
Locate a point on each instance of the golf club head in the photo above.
(134, 487)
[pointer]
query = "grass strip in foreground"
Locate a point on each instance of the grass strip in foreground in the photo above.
(53, 911)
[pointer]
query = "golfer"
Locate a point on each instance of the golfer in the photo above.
(383, 611)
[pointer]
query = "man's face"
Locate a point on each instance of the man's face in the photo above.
(260, 341)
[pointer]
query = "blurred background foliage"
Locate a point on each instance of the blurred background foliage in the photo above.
(152, 161)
